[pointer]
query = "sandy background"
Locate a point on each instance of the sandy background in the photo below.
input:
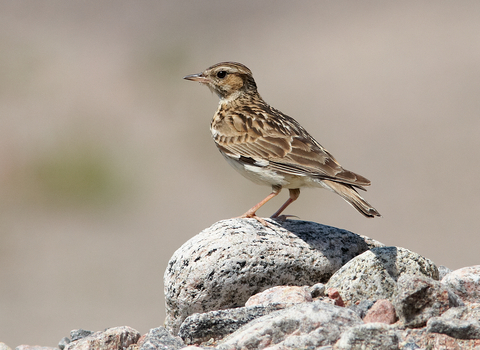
(106, 160)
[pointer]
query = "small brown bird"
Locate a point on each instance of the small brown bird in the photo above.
(269, 147)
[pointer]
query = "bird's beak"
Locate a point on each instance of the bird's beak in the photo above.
(197, 77)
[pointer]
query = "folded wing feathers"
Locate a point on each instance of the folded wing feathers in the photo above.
(246, 137)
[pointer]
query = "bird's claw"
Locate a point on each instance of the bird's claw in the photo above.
(283, 218)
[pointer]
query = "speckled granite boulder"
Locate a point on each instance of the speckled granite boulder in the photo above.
(224, 265)
(373, 275)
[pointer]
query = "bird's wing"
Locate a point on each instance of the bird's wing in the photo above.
(268, 138)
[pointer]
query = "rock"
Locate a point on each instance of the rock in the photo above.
(378, 336)
(200, 328)
(317, 290)
(284, 295)
(34, 347)
(471, 311)
(410, 346)
(333, 294)
(465, 282)
(459, 329)
(382, 311)
(4, 346)
(443, 271)
(63, 342)
(459, 322)
(160, 338)
(420, 339)
(302, 326)
(362, 307)
(418, 298)
(373, 274)
(77, 334)
(118, 338)
(224, 265)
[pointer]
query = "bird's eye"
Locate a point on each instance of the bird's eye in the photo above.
(222, 74)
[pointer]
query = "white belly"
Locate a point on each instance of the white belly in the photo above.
(264, 176)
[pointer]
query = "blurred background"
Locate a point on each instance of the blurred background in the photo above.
(107, 164)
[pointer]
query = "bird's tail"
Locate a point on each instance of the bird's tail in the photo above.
(349, 193)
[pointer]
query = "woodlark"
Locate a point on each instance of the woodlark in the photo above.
(269, 147)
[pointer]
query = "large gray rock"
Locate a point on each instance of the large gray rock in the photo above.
(200, 328)
(373, 275)
(303, 326)
(222, 266)
(378, 336)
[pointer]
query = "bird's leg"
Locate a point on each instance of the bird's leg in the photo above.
(294, 193)
(251, 212)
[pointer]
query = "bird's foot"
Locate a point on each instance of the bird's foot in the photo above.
(282, 218)
(248, 215)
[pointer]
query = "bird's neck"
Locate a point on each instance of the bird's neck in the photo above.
(240, 98)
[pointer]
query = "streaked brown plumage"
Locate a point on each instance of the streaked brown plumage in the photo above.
(269, 147)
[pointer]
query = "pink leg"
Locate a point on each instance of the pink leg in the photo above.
(251, 212)
(294, 194)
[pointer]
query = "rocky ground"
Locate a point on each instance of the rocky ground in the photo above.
(301, 285)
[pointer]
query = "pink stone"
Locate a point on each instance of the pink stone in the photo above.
(465, 282)
(282, 295)
(335, 295)
(382, 311)
(141, 340)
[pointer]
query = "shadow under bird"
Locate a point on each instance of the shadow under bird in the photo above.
(269, 147)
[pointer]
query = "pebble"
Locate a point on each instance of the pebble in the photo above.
(382, 311)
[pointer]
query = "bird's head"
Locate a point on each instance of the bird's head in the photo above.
(229, 80)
